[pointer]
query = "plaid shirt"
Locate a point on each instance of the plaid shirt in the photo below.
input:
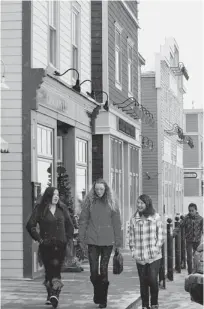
(146, 238)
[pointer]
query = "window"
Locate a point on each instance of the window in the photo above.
(52, 6)
(59, 149)
(116, 168)
(81, 168)
(134, 178)
(75, 40)
(118, 56)
(45, 156)
(130, 66)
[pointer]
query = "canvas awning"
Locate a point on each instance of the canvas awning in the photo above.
(4, 146)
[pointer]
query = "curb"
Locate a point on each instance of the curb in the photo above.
(135, 304)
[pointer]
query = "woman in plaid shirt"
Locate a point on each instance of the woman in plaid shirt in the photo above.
(146, 240)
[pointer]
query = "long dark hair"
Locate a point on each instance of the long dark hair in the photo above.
(149, 210)
(46, 200)
(108, 196)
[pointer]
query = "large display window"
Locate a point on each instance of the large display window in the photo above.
(44, 156)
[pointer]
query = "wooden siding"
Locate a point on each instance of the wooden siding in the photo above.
(191, 122)
(97, 157)
(11, 131)
(96, 46)
(191, 155)
(150, 158)
(117, 13)
(39, 33)
(191, 187)
(40, 38)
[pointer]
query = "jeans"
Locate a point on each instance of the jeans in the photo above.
(148, 275)
(94, 252)
(190, 250)
(52, 258)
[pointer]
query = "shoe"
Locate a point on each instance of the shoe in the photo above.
(55, 292)
(48, 302)
(104, 294)
(54, 301)
(155, 307)
(48, 288)
(97, 287)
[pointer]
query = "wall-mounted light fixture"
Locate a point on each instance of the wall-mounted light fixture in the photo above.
(150, 176)
(76, 87)
(180, 70)
(147, 143)
(4, 147)
(3, 79)
(175, 130)
(187, 140)
(136, 110)
(95, 93)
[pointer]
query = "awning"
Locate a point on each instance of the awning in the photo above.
(3, 145)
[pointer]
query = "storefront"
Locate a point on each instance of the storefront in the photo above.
(116, 158)
(61, 136)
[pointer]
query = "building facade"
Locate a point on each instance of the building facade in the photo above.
(193, 159)
(116, 68)
(44, 119)
(162, 94)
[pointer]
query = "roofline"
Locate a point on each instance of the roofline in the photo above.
(141, 59)
(193, 110)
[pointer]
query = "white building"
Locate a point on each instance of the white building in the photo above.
(44, 120)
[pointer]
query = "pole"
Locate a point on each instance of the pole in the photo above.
(183, 247)
(170, 250)
(177, 247)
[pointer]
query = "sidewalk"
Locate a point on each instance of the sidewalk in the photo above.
(174, 296)
(77, 292)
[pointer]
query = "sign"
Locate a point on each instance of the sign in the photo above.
(190, 175)
(126, 128)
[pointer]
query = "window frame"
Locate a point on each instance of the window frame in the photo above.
(130, 44)
(53, 27)
(76, 11)
(47, 157)
(118, 49)
(82, 164)
(116, 169)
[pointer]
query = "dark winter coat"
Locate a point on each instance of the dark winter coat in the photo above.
(193, 227)
(99, 225)
(57, 228)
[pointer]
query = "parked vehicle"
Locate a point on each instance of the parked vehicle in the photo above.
(194, 282)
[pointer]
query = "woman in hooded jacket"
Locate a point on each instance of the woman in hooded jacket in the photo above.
(100, 229)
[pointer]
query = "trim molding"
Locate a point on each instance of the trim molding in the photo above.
(130, 13)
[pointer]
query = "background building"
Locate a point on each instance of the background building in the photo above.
(116, 67)
(162, 94)
(44, 119)
(193, 159)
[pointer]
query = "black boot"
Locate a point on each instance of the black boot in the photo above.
(48, 288)
(96, 285)
(55, 292)
(104, 294)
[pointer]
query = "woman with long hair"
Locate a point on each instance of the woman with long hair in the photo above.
(100, 229)
(56, 229)
(146, 240)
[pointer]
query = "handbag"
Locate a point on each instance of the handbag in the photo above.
(117, 263)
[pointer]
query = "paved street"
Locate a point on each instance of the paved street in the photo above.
(77, 292)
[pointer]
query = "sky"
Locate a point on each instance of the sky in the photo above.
(183, 20)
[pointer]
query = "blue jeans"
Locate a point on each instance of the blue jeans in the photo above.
(148, 275)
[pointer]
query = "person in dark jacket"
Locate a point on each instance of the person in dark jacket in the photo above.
(100, 228)
(56, 229)
(193, 224)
